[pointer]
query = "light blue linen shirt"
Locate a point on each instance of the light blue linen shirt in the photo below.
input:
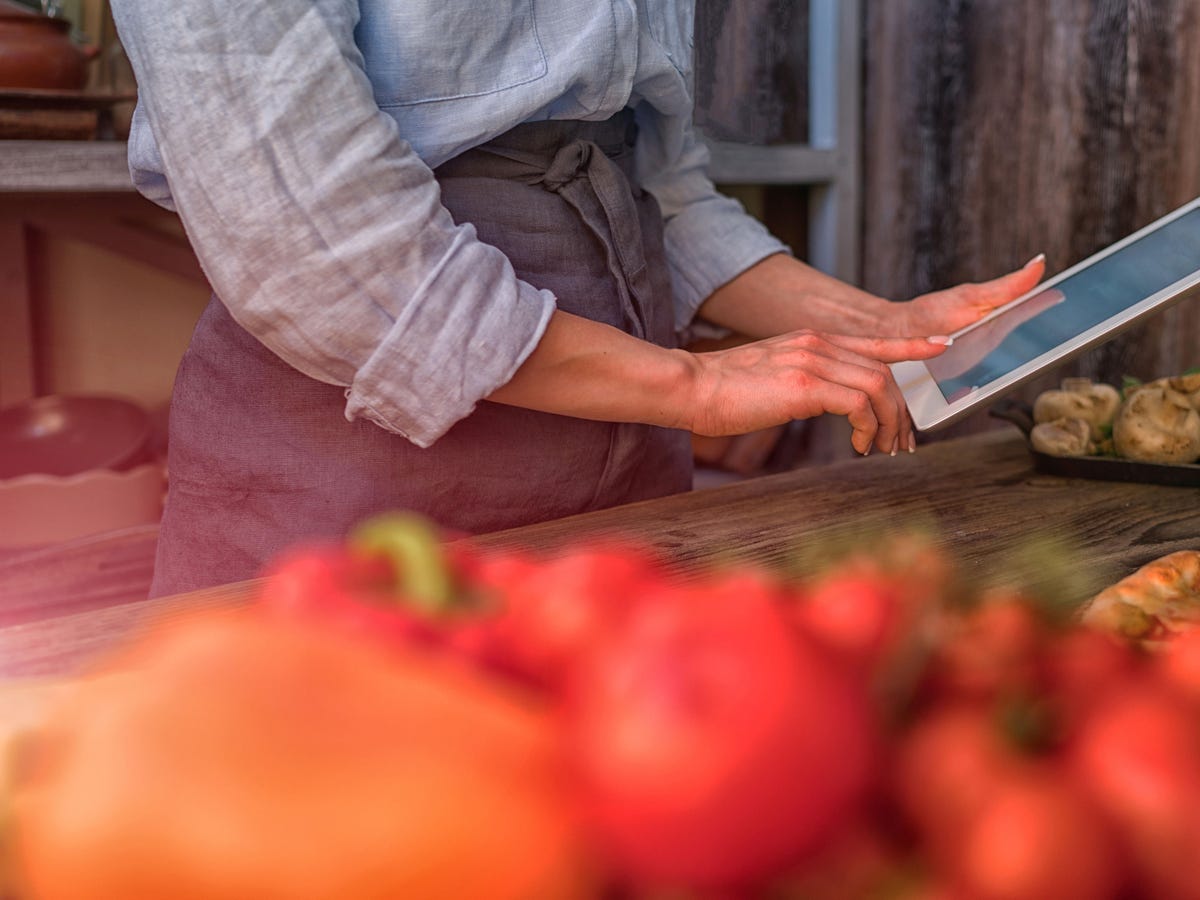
(296, 138)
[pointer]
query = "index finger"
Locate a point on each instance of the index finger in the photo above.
(890, 350)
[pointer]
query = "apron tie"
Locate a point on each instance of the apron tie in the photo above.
(596, 188)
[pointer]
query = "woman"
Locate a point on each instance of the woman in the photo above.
(451, 247)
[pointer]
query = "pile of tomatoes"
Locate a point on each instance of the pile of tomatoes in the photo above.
(403, 717)
(1032, 757)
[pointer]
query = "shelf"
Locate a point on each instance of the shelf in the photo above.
(101, 167)
(60, 166)
(786, 164)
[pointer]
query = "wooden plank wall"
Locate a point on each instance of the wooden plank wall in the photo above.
(998, 129)
(751, 62)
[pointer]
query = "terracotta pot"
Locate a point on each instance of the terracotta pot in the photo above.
(36, 51)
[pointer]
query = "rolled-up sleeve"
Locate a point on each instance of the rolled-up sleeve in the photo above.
(314, 221)
(710, 238)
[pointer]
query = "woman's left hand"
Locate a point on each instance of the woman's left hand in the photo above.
(946, 311)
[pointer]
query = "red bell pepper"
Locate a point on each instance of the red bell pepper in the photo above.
(390, 581)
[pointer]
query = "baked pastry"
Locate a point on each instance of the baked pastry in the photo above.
(1159, 600)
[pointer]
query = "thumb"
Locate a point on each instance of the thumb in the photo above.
(998, 291)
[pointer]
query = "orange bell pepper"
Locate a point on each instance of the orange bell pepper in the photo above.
(235, 756)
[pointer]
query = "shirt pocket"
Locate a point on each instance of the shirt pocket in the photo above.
(671, 24)
(421, 51)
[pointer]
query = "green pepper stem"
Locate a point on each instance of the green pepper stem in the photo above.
(412, 544)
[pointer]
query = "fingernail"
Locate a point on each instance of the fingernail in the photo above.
(943, 339)
(895, 445)
(912, 444)
(1033, 262)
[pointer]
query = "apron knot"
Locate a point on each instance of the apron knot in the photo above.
(569, 162)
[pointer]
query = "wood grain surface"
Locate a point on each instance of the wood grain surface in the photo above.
(980, 494)
(94, 572)
(998, 129)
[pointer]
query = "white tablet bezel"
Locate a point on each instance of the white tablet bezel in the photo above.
(930, 410)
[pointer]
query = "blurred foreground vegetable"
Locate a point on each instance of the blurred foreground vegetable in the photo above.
(716, 747)
(236, 757)
(399, 718)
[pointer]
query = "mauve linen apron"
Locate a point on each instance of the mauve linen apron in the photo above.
(261, 457)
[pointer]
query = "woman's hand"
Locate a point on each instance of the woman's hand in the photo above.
(972, 347)
(594, 371)
(804, 374)
(585, 369)
(946, 311)
(780, 294)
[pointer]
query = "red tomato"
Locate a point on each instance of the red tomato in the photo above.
(713, 746)
(946, 767)
(921, 568)
(855, 615)
(860, 862)
(1138, 756)
(1083, 667)
(927, 890)
(910, 563)
(991, 651)
(552, 610)
(1036, 837)
(1179, 665)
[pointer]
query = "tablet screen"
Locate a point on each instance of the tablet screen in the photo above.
(1069, 307)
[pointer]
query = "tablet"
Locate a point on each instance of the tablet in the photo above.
(1072, 312)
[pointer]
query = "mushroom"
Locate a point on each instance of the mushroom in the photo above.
(1189, 386)
(1063, 437)
(1157, 424)
(1079, 398)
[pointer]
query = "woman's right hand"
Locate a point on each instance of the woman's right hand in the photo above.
(804, 374)
(594, 371)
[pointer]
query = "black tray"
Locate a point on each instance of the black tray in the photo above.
(1105, 468)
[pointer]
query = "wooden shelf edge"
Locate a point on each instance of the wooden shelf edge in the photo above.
(79, 166)
(732, 163)
(101, 166)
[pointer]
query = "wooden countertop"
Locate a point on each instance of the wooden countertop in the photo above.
(981, 495)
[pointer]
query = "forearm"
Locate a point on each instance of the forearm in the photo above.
(589, 370)
(782, 294)
(593, 371)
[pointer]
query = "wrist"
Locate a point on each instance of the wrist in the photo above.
(681, 388)
(594, 371)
